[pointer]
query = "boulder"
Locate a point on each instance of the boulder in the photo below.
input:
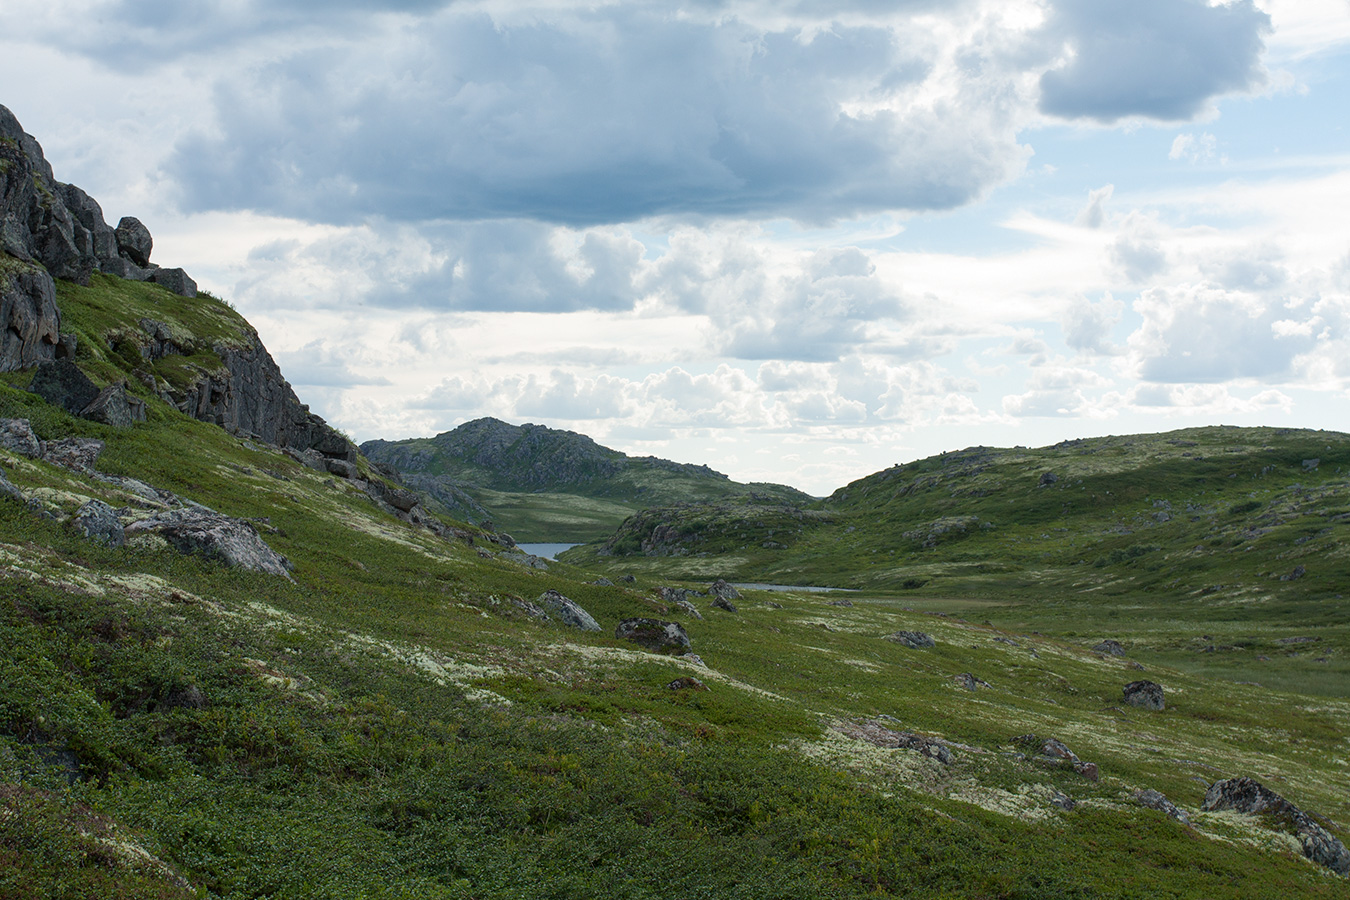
(880, 736)
(341, 468)
(9, 490)
(134, 242)
(124, 269)
(1156, 800)
(724, 603)
(845, 602)
(686, 683)
(175, 280)
(199, 531)
(98, 521)
(1110, 648)
(970, 682)
(721, 589)
(567, 611)
(80, 454)
(16, 436)
(1047, 479)
(1247, 795)
(1056, 753)
(114, 406)
(654, 635)
(1144, 694)
(62, 383)
(915, 640)
(400, 499)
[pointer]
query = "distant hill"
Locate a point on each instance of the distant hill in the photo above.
(1233, 514)
(548, 484)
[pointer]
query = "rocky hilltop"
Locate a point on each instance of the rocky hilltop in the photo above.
(545, 483)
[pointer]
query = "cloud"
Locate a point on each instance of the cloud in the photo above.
(565, 396)
(1156, 59)
(1252, 268)
(1094, 213)
(1206, 334)
(1194, 149)
(1137, 252)
(1087, 325)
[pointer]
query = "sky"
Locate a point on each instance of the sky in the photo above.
(798, 241)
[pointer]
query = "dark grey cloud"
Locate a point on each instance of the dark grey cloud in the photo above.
(1157, 59)
(592, 117)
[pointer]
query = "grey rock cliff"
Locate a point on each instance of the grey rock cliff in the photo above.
(60, 226)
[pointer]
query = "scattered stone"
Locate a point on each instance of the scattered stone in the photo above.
(1299, 572)
(76, 453)
(602, 582)
(567, 611)
(16, 436)
(724, 603)
(673, 594)
(1134, 665)
(687, 683)
(1297, 640)
(231, 541)
(1063, 801)
(915, 640)
(845, 602)
(1110, 648)
(1247, 795)
(629, 579)
(970, 682)
(1009, 641)
(724, 591)
(1047, 479)
(689, 609)
(1156, 800)
(695, 659)
(98, 521)
(880, 736)
(654, 635)
(1056, 753)
(1144, 694)
(1310, 465)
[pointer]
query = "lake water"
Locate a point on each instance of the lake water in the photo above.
(546, 551)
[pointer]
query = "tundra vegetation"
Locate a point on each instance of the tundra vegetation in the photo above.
(399, 715)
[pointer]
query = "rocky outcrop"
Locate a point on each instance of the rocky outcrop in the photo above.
(231, 541)
(1157, 800)
(1110, 647)
(1054, 752)
(654, 635)
(878, 735)
(62, 227)
(98, 521)
(30, 322)
(1247, 795)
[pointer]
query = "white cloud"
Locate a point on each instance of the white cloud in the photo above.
(1194, 148)
(1094, 213)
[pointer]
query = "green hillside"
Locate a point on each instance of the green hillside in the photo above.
(392, 719)
(546, 484)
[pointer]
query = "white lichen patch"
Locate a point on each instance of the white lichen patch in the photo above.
(439, 668)
(612, 657)
(881, 765)
(1030, 802)
(1234, 827)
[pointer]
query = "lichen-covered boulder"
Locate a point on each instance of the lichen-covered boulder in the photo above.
(1157, 800)
(654, 635)
(1145, 695)
(566, 611)
(30, 323)
(16, 436)
(915, 640)
(721, 589)
(1110, 648)
(1247, 795)
(98, 521)
(80, 454)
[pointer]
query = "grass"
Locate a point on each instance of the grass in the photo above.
(392, 724)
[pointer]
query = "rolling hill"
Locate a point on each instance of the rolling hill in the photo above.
(546, 484)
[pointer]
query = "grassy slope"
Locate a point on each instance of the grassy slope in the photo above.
(390, 725)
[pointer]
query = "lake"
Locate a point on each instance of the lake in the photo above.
(546, 551)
